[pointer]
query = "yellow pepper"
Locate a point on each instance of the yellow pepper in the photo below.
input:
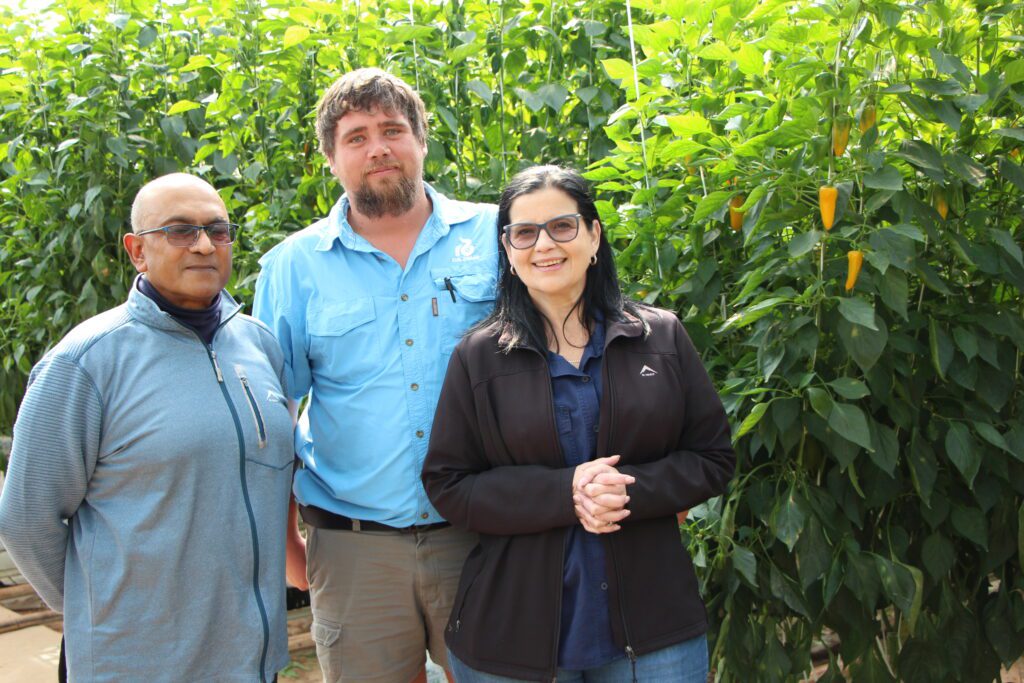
(736, 217)
(868, 116)
(840, 135)
(855, 259)
(827, 196)
(940, 203)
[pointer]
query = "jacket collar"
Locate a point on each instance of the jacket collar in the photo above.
(629, 326)
(146, 311)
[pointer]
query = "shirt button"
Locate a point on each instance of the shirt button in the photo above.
(414, 386)
(405, 297)
(424, 515)
(585, 378)
(408, 342)
(604, 586)
(419, 433)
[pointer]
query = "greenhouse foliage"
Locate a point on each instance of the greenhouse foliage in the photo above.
(866, 339)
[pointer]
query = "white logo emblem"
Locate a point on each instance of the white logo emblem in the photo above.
(465, 249)
(646, 371)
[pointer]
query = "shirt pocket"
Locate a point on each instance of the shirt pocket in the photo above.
(465, 296)
(264, 414)
(343, 344)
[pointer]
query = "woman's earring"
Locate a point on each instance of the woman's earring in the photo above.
(512, 269)
(593, 260)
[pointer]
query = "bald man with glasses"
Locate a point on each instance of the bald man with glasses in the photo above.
(148, 484)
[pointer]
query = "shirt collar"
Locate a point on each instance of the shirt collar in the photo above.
(594, 349)
(445, 213)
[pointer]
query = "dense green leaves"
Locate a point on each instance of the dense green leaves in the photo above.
(878, 429)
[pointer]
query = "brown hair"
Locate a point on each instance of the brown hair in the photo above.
(368, 90)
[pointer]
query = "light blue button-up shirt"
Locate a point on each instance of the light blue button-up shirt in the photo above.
(369, 343)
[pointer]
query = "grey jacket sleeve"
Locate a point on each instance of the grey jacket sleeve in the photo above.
(56, 442)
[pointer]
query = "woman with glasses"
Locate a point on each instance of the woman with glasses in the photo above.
(572, 426)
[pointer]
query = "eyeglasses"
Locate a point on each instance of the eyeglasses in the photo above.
(560, 229)
(184, 235)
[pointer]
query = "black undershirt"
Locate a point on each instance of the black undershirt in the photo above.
(203, 320)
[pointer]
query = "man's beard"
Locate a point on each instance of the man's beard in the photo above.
(393, 198)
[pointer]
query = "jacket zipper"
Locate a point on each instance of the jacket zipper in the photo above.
(248, 509)
(265, 622)
(565, 539)
(558, 607)
(457, 624)
(254, 407)
(610, 392)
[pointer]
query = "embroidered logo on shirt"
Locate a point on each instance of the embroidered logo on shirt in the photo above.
(646, 371)
(465, 251)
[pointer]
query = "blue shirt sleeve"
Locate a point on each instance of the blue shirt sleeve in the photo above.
(283, 311)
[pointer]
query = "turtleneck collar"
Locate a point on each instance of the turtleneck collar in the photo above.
(203, 320)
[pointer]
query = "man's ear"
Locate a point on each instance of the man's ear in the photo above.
(134, 245)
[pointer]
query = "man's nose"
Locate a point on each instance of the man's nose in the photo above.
(203, 244)
(379, 148)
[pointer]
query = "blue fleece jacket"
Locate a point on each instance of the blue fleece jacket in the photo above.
(147, 494)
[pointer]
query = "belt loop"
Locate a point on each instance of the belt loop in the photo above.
(356, 525)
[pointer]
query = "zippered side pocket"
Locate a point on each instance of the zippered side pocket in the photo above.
(254, 407)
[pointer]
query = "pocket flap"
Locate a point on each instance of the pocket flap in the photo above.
(479, 285)
(325, 635)
(335, 318)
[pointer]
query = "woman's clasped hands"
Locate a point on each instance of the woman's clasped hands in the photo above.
(599, 495)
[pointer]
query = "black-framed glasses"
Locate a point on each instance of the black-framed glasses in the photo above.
(560, 229)
(185, 235)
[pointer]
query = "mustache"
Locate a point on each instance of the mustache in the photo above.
(381, 167)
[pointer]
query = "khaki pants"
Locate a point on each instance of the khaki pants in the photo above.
(381, 599)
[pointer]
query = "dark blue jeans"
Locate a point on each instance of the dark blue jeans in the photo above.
(685, 662)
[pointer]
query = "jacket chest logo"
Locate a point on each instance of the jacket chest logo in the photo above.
(647, 371)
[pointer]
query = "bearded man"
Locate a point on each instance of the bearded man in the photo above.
(367, 305)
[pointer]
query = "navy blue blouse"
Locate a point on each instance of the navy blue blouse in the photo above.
(585, 636)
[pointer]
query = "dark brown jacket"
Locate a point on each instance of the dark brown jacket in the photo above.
(495, 466)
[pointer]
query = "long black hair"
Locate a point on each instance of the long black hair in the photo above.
(515, 316)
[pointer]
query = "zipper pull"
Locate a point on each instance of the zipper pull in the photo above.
(216, 366)
(632, 660)
(448, 286)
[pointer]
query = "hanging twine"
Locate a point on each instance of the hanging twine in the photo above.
(415, 56)
(636, 88)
